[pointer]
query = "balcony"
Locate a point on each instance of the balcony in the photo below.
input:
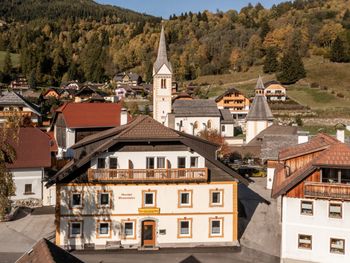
(148, 175)
(327, 190)
(16, 113)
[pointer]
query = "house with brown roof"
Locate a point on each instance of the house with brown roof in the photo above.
(33, 158)
(313, 182)
(74, 121)
(45, 251)
(233, 100)
(132, 187)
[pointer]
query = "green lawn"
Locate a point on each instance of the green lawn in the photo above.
(14, 57)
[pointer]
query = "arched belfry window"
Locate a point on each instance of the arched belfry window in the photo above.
(163, 83)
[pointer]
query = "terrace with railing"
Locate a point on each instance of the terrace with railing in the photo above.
(148, 175)
(327, 190)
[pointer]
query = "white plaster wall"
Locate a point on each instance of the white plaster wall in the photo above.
(202, 124)
(128, 199)
(70, 137)
(21, 177)
(229, 130)
(270, 175)
(320, 226)
(139, 158)
(49, 195)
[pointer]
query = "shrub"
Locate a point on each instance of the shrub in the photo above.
(340, 95)
(314, 85)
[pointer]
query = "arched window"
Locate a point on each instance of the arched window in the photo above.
(209, 124)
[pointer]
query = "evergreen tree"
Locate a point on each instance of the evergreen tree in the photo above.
(338, 53)
(7, 69)
(346, 19)
(264, 29)
(292, 68)
(270, 62)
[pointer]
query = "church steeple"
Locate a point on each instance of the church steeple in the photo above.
(162, 58)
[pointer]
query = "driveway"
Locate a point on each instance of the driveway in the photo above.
(18, 236)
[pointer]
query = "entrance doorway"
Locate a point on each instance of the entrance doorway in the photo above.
(148, 233)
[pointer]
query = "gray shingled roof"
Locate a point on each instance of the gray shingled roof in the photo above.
(12, 98)
(162, 58)
(259, 110)
(196, 108)
(226, 117)
(260, 84)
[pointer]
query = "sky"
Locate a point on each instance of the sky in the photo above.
(165, 8)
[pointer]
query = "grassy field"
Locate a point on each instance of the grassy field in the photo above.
(14, 58)
(333, 78)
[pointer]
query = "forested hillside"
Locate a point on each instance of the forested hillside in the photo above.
(63, 40)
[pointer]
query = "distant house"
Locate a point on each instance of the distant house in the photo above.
(127, 78)
(233, 100)
(13, 103)
(52, 93)
(274, 91)
(33, 156)
(20, 84)
(312, 185)
(74, 121)
(88, 92)
(72, 85)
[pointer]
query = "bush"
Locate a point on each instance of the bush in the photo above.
(340, 95)
(314, 85)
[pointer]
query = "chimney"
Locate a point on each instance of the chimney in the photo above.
(341, 135)
(303, 137)
(123, 116)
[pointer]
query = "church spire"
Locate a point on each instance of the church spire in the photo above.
(259, 84)
(162, 58)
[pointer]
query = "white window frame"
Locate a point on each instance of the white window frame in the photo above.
(71, 235)
(81, 200)
(190, 203)
(196, 158)
(301, 207)
(221, 233)
(99, 228)
(341, 210)
(133, 229)
(299, 244)
(337, 252)
(187, 235)
(100, 193)
(221, 194)
(154, 199)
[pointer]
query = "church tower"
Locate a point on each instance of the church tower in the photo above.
(162, 83)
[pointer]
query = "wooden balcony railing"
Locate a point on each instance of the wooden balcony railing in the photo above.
(11, 113)
(148, 175)
(327, 190)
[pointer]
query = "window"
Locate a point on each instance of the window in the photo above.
(163, 83)
(28, 189)
(181, 162)
(185, 198)
(337, 246)
(101, 163)
(335, 210)
(194, 162)
(149, 198)
(216, 197)
(306, 208)
(184, 228)
(209, 124)
(223, 128)
(305, 241)
(161, 162)
(104, 199)
(129, 229)
(331, 175)
(216, 227)
(75, 229)
(103, 229)
(76, 200)
(113, 163)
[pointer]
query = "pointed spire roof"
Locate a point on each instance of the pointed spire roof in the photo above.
(260, 84)
(260, 110)
(162, 58)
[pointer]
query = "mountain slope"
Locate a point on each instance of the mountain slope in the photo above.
(26, 10)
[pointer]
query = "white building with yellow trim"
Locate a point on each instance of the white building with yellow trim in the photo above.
(145, 185)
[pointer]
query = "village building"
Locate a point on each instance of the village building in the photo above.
(312, 181)
(19, 85)
(89, 93)
(132, 187)
(233, 100)
(74, 121)
(258, 118)
(12, 103)
(33, 158)
(274, 91)
(127, 79)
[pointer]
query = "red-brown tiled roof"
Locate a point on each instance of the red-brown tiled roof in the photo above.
(337, 155)
(87, 115)
(320, 142)
(32, 149)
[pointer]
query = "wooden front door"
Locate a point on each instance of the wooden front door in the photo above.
(148, 233)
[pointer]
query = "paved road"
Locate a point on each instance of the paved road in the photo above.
(195, 255)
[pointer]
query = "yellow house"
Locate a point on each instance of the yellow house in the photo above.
(235, 101)
(274, 91)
